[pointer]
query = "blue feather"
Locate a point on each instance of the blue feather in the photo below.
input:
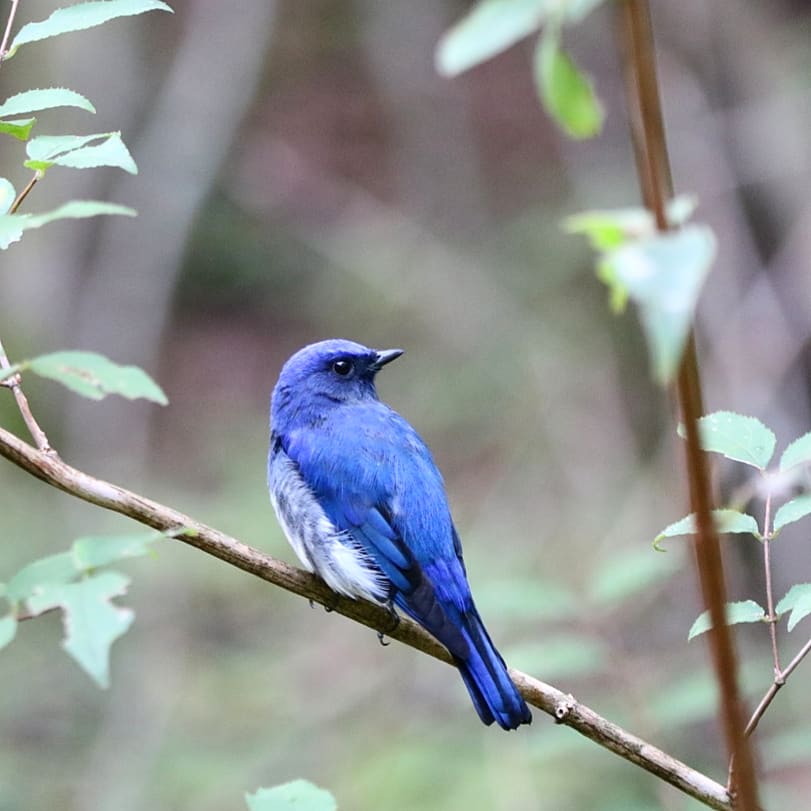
(364, 506)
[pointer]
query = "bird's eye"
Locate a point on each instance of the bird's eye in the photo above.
(344, 368)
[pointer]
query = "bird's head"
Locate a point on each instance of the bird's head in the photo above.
(325, 374)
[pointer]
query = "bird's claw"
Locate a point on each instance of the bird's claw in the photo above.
(395, 621)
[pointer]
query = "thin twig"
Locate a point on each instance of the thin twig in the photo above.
(13, 383)
(24, 193)
(779, 680)
(650, 147)
(7, 32)
(771, 618)
(563, 707)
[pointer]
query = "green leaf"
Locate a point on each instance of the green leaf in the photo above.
(298, 795)
(726, 522)
(663, 274)
(797, 453)
(8, 629)
(792, 511)
(95, 551)
(92, 623)
(48, 571)
(607, 229)
(31, 101)
(798, 601)
(740, 438)
(629, 572)
(490, 27)
(746, 611)
(77, 152)
(7, 195)
(95, 376)
(566, 92)
(81, 16)
(611, 228)
(12, 226)
(20, 128)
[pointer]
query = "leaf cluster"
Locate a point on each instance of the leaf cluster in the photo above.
(748, 441)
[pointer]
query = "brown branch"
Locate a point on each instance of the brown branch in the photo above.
(562, 707)
(13, 383)
(37, 176)
(653, 165)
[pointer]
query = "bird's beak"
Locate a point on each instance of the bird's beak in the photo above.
(385, 356)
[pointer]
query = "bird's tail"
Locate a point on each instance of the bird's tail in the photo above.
(495, 696)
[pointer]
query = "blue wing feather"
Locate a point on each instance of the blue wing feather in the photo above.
(364, 479)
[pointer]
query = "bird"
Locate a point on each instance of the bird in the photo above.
(361, 501)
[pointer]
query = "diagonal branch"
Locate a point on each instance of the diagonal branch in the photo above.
(561, 706)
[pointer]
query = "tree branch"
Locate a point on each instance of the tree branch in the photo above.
(561, 706)
(37, 434)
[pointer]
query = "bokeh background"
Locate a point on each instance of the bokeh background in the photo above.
(304, 173)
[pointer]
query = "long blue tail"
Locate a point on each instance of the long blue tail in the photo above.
(494, 695)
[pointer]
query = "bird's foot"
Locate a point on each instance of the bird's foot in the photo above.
(395, 621)
(329, 606)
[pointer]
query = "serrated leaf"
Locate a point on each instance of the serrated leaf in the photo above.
(297, 795)
(92, 622)
(664, 274)
(740, 438)
(490, 27)
(95, 551)
(80, 17)
(792, 511)
(8, 630)
(797, 453)
(12, 226)
(95, 376)
(7, 195)
(566, 92)
(78, 151)
(48, 571)
(19, 128)
(726, 521)
(797, 600)
(47, 98)
(629, 572)
(111, 152)
(744, 611)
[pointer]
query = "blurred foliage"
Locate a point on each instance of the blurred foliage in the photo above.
(361, 196)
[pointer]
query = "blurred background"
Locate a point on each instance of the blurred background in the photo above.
(304, 173)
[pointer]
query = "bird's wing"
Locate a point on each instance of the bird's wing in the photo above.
(375, 480)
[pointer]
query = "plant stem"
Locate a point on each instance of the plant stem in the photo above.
(653, 165)
(561, 706)
(7, 33)
(24, 193)
(13, 383)
(779, 680)
(771, 618)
